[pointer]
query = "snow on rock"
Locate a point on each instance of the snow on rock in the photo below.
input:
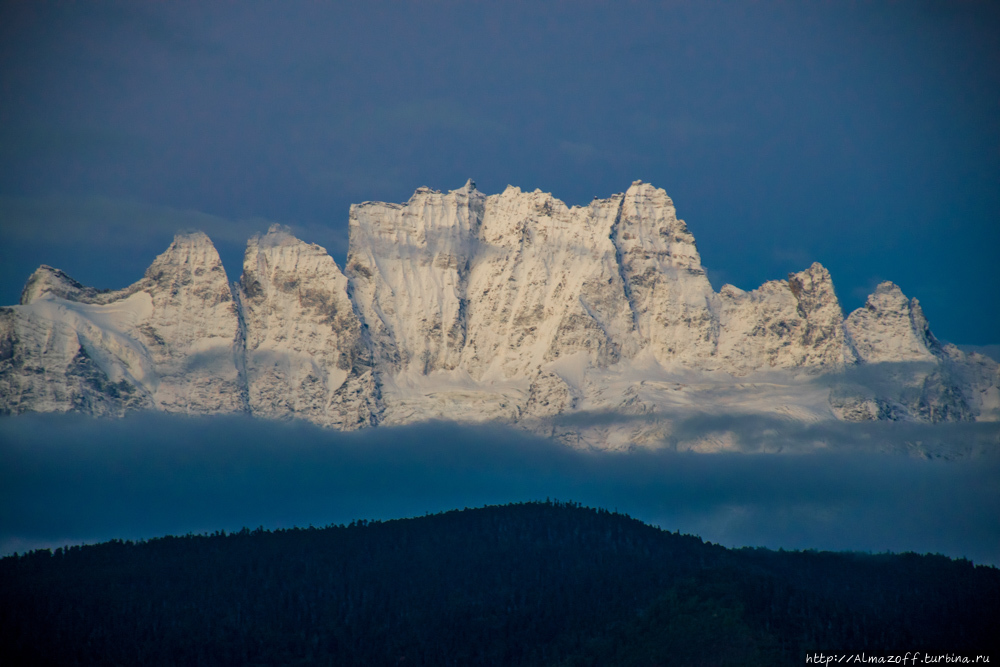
(165, 342)
(545, 284)
(592, 324)
(54, 360)
(47, 281)
(796, 323)
(890, 327)
(549, 395)
(305, 356)
(191, 329)
(665, 285)
(908, 374)
(449, 395)
(978, 377)
(408, 267)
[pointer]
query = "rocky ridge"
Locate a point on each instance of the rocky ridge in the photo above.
(510, 307)
(165, 342)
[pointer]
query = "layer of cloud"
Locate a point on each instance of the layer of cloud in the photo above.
(71, 479)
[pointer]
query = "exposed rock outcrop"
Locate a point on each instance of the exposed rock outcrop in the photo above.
(305, 353)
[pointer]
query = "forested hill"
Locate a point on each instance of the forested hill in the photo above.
(527, 584)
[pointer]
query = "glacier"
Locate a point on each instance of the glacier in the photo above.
(595, 325)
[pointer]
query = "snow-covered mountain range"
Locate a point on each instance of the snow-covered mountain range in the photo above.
(596, 325)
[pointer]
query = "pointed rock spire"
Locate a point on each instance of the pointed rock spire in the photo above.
(782, 325)
(49, 281)
(890, 327)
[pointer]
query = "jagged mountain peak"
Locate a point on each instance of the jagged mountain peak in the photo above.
(467, 190)
(191, 257)
(528, 207)
(784, 324)
(650, 194)
(47, 280)
(192, 237)
(277, 235)
(408, 267)
(813, 288)
(165, 342)
(190, 262)
(189, 247)
(279, 249)
(890, 328)
(818, 270)
(888, 297)
(280, 255)
(461, 305)
(886, 288)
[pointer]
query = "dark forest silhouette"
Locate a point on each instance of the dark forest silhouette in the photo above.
(526, 584)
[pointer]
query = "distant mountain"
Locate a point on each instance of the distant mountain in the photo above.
(528, 584)
(595, 325)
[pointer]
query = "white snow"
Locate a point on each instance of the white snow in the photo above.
(595, 325)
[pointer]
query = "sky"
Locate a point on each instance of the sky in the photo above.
(865, 136)
(70, 479)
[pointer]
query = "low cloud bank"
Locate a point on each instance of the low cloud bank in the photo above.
(72, 479)
(756, 432)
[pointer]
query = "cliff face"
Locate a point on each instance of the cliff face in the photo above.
(304, 354)
(511, 307)
(545, 285)
(409, 268)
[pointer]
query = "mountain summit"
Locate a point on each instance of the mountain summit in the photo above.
(594, 324)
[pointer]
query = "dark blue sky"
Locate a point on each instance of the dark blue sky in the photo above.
(865, 136)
